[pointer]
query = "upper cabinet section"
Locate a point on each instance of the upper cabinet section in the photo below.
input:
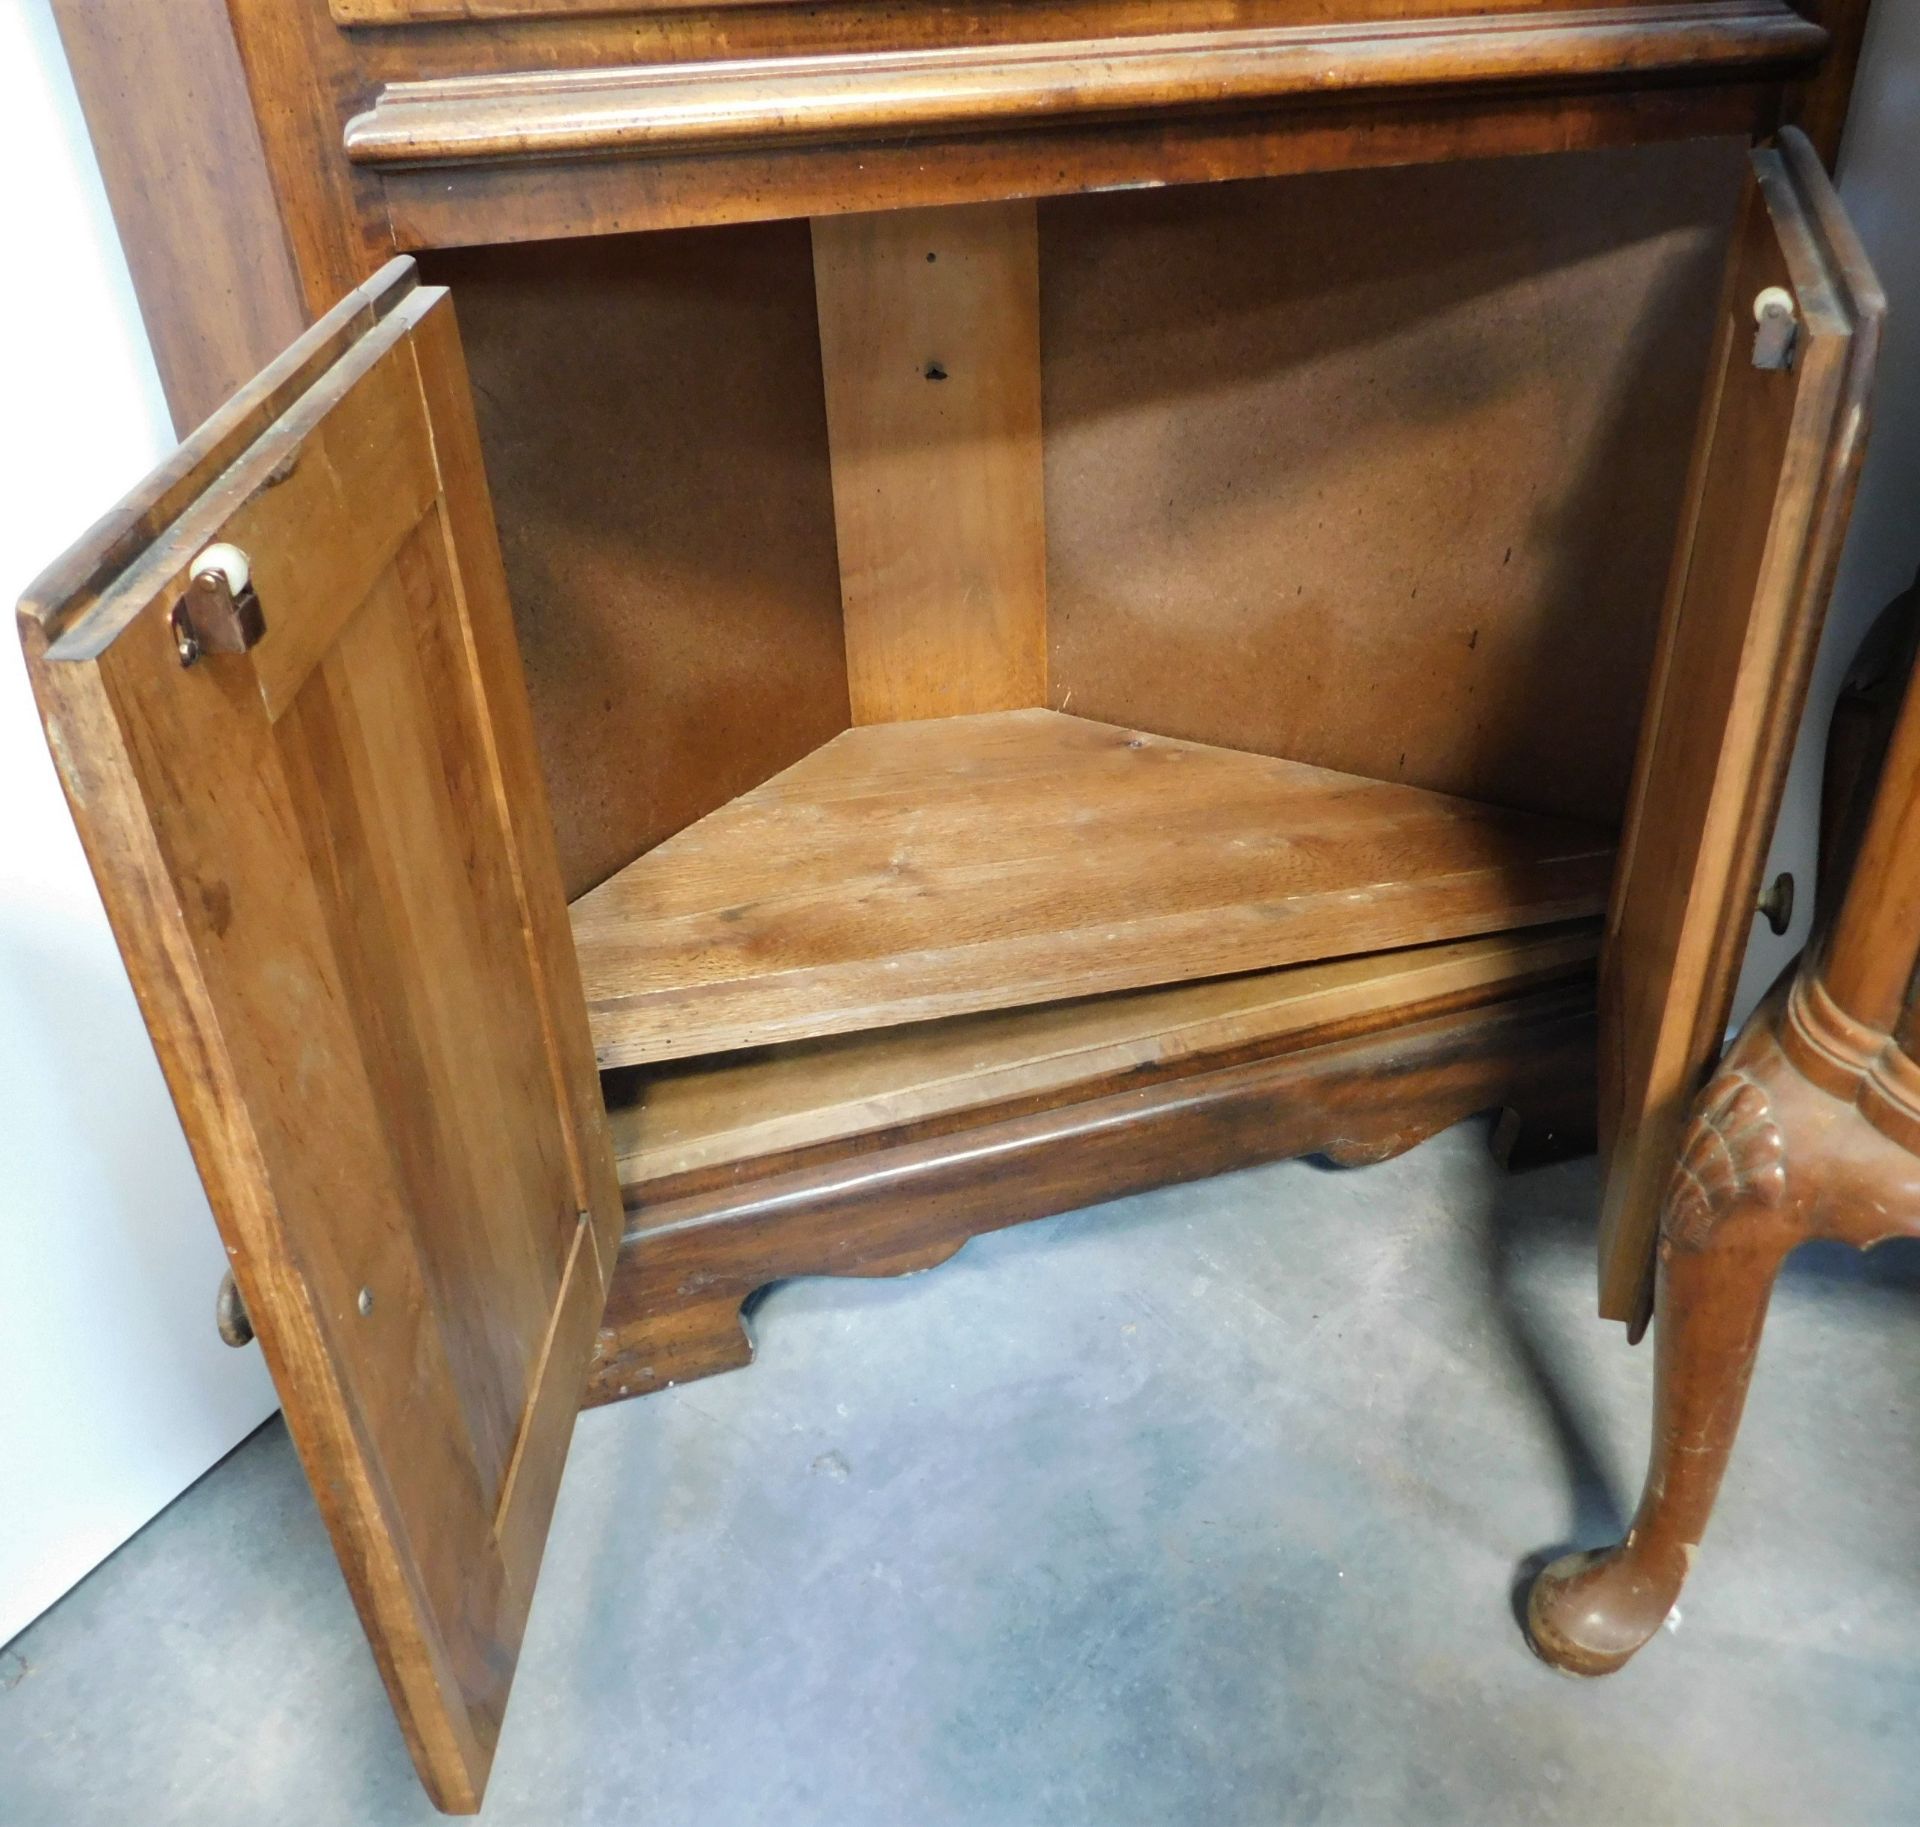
(501, 120)
(328, 134)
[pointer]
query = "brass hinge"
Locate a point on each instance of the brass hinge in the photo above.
(219, 611)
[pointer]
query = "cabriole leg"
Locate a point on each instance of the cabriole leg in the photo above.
(1588, 1613)
(1726, 1229)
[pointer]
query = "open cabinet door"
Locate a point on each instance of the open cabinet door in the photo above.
(326, 854)
(1781, 436)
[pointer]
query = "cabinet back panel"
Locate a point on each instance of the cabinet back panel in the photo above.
(655, 436)
(1381, 470)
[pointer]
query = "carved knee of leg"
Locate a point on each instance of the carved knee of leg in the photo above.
(1733, 1159)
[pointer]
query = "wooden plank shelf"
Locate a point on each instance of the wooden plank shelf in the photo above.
(850, 98)
(913, 871)
(695, 1123)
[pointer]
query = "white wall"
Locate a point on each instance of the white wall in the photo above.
(115, 1392)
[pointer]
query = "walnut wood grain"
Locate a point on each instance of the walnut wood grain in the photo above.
(263, 221)
(689, 1125)
(1810, 1129)
(222, 140)
(457, 121)
(586, 22)
(909, 871)
(930, 349)
(504, 35)
(216, 307)
(907, 1201)
(592, 196)
(327, 866)
(1818, 105)
(1868, 969)
(305, 77)
(1775, 464)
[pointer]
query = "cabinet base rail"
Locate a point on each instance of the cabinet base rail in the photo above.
(687, 1265)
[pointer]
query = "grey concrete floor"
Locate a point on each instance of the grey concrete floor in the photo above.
(1201, 1507)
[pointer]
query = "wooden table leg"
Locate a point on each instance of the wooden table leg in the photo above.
(1589, 1612)
(1811, 1129)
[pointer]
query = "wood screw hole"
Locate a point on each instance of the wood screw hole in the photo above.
(935, 372)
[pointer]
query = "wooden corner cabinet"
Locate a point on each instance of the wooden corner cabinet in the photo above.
(919, 657)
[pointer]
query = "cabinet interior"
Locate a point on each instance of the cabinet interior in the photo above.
(932, 617)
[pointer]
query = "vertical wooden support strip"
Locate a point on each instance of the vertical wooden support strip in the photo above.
(173, 123)
(1819, 105)
(930, 343)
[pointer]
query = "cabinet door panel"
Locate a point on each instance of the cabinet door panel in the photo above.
(330, 870)
(1773, 472)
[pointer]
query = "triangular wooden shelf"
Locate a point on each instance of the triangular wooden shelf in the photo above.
(908, 871)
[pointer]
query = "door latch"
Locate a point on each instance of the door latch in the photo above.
(1776, 328)
(219, 611)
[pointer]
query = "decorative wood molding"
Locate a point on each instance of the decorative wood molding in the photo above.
(1889, 1097)
(895, 1204)
(1734, 1155)
(1851, 1060)
(1827, 1046)
(663, 109)
(491, 12)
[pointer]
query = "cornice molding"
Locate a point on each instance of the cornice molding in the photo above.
(660, 110)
